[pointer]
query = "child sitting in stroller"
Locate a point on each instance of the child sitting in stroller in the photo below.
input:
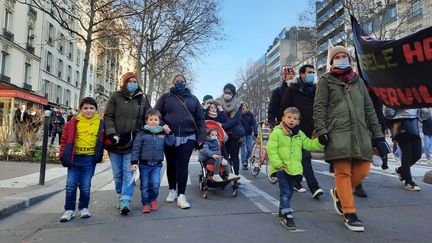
(211, 153)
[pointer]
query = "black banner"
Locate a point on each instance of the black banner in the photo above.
(398, 71)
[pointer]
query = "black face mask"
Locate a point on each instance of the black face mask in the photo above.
(294, 131)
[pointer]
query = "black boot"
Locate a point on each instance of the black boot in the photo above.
(359, 191)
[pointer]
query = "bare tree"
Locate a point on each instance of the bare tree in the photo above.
(307, 18)
(254, 87)
(181, 28)
(88, 20)
(6, 131)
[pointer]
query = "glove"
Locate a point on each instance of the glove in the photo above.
(324, 139)
(112, 139)
(381, 145)
(220, 108)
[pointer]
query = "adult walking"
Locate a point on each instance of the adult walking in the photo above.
(301, 94)
(233, 127)
(344, 118)
(58, 124)
(183, 115)
(124, 115)
(405, 131)
(275, 111)
(251, 131)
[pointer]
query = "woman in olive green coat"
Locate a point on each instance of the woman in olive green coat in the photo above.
(346, 122)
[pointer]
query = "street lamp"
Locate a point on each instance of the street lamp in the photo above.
(47, 114)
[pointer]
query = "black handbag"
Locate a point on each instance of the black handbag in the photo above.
(404, 127)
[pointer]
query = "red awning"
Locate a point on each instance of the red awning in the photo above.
(24, 96)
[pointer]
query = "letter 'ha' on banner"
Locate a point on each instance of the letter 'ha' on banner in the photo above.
(398, 71)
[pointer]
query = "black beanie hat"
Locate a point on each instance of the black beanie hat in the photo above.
(207, 97)
(231, 87)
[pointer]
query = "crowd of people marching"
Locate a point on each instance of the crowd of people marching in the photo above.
(338, 115)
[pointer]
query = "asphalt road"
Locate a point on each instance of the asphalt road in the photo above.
(390, 214)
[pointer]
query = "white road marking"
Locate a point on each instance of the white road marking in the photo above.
(261, 199)
(164, 181)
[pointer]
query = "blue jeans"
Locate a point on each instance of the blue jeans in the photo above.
(150, 182)
(427, 146)
(79, 176)
(121, 164)
(286, 183)
(398, 153)
(246, 150)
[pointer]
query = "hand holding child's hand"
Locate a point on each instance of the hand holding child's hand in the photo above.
(134, 167)
(166, 129)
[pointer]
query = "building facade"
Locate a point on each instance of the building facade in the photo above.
(20, 59)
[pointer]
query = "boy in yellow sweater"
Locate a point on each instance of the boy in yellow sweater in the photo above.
(80, 149)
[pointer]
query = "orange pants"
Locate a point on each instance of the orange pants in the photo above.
(347, 176)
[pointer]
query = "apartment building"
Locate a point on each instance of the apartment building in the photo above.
(20, 58)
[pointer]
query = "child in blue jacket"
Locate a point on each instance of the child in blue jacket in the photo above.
(148, 152)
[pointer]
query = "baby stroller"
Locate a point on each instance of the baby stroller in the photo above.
(207, 168)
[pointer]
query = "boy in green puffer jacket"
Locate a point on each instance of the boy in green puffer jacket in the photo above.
(284, 150)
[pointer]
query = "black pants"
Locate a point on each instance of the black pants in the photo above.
(178, 165)
(308, 172)
(411, 148)
(233, 149)
(54, 135)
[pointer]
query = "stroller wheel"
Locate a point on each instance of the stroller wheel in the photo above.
(205, 194)
(201, 185)
(234, 193)
(255, 171)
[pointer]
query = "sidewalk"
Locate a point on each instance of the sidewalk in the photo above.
(19, 184)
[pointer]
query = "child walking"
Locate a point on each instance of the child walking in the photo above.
(81, 148)
(211, 152)
(148, 153)
(284, 150)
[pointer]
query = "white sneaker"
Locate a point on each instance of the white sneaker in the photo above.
(182, 202)
(429, 161)
(217, 178)
(172, 195)
(85, 213)
(67, 215)
(233, 177)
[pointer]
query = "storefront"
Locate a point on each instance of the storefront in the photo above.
(12, 97)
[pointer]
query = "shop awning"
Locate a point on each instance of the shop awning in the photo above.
(23, 95)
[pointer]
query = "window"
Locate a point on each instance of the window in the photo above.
(49, 60)
(69, 73)
(78, 57)
(61, 44)
(27, 71)
(30, 36)
(77, 78)
(390, 14)
(59, 94)
(4, 63)
(8, 20)
(60, 68)
(416, 10)
(50, 34)
(71, 50)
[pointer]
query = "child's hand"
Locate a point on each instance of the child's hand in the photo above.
(215, 156)
(166, 129)
(134, 167)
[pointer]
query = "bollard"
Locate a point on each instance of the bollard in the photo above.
(47, 114)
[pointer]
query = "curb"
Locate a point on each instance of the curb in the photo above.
(15, 204)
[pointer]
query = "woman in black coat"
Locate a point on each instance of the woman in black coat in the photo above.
(182, 113)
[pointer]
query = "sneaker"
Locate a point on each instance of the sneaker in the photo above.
(318, 193)
(172, 195)
(217, 178)
(399, 174)
(154, 205)
(288, 221)
(359, 191)
(67, 215)
(85, 213)
(182, 202)
(429, 161)
(124, 206)
(245, 166)
(353, 223)
(146, 209)
(336, 202)
(411, 186)
(299, 188)
(233, 177)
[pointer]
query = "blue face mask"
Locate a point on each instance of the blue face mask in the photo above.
(179, 85)
(310, 78)
(341, 63)
(132, 87)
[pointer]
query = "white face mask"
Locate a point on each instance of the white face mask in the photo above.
(289, 80)
(341, 63)
(227, 96)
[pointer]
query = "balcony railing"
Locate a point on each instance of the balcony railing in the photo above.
(30, 48)
(27, 86)
(4, 78)
(8, 35)
(32, 13)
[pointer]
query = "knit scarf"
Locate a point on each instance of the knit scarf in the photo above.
(212, 114)
(181, 92)
(344, 75)
(289, 131)
(157, 129)
(308, 89)
(230, 106)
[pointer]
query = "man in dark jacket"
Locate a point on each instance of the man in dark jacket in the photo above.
(250, 126)
(301, 94)
(274, 112)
